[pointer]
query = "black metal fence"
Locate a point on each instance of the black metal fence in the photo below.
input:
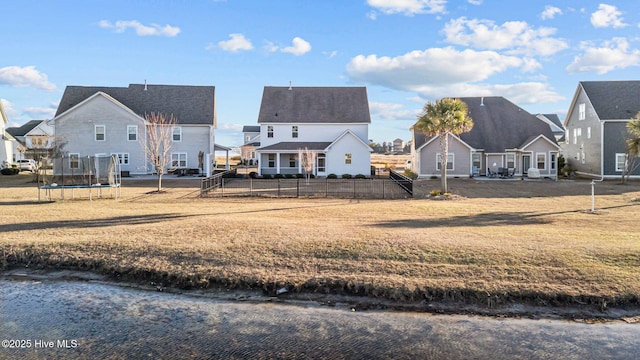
(402, 181)
(338, 188)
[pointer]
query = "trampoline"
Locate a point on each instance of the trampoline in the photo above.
(90, 173)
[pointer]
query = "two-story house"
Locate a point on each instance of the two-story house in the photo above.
(595, 139)
(332, 123)
(111, 121)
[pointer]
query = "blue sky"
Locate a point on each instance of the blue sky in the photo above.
(406, 52)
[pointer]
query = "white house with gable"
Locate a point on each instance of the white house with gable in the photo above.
(330, 122)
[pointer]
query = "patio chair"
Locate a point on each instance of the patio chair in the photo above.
(490, 173)
(512, 172)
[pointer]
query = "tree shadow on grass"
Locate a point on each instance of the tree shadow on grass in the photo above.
(91, 223)
(484, 219)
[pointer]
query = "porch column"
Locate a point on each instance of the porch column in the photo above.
(227, 165)
(277, 163)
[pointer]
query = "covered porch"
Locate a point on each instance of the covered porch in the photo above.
(292, 158)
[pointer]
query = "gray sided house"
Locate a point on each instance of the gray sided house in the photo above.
(596, 127)
(111, 121)
(330, 122)
(250, 143)
(503, 136)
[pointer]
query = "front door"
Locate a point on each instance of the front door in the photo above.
(526, 163)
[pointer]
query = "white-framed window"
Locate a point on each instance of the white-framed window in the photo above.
(584, 157)
(578, 156)
(247, 138)
(176, 133)
(293, 160)
(179, 160)
(294, 131)
(589, 132)
(132, 133)
(575, 136)
(272, 160)
(541, 161)
(553, 161)
(621, 161)
(450, 159)
(511, 161)
(74, 161)
(269, 131)
(582, 111)
(566, 136)
(123, 158)
(347, 159)
(321, 161)
(100, 131)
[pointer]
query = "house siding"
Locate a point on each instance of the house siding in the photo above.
(195, 138)
(310, 132)
(360, 157)
(542, 146)
(583, 154)
(77, 128)
(615, 134)
(461, 155)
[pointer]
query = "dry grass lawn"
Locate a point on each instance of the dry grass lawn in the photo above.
(501, 242)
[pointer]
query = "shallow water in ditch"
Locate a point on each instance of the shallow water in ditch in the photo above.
(54, 319)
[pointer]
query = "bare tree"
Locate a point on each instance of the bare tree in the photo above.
(158, 141)
(308, 161)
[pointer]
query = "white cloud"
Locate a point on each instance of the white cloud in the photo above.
(416, 68)
(141, 30)
(607, 16)
(27, 76)
(612, 55)
(237, 42)
(8, 107)
(409, 7)
(230, 127)
(40, 112)
(550, 12)
(391, 111)
(430, 73)
(299, 47)
(517, 37)
(475, 2)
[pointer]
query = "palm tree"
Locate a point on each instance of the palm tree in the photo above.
(441, 118)
(633, 146)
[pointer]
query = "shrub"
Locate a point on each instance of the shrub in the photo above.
(10, 171)
(433, 177)
(346, 176)
(278, 176)
(332, 176)
(289, 176)
(300, 176)
(359, 176)
(410, 174)
(266, 176)
(434, 193)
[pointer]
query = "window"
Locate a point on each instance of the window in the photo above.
(294, 131)
(575, 136)
(247, 138)
(179, 160)
(74, 161)
(177, 133)
(589, 132)
(321, 162)
(100, 132)
(293, 160)
(541, 160)
(566, 136)
(511, 161)
(621, 162)
(132, 132)
(272, 160)
(553, 161)
(270, 131)
(123, 158)
(582, 113)
(450, 159)
(347, 159)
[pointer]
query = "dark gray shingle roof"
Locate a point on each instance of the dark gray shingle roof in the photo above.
(251, 128)
(189, 104)
(314, 105)
(613, 99)
(498, 124)
(24, 129)
(554, 119)
(294, 146)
